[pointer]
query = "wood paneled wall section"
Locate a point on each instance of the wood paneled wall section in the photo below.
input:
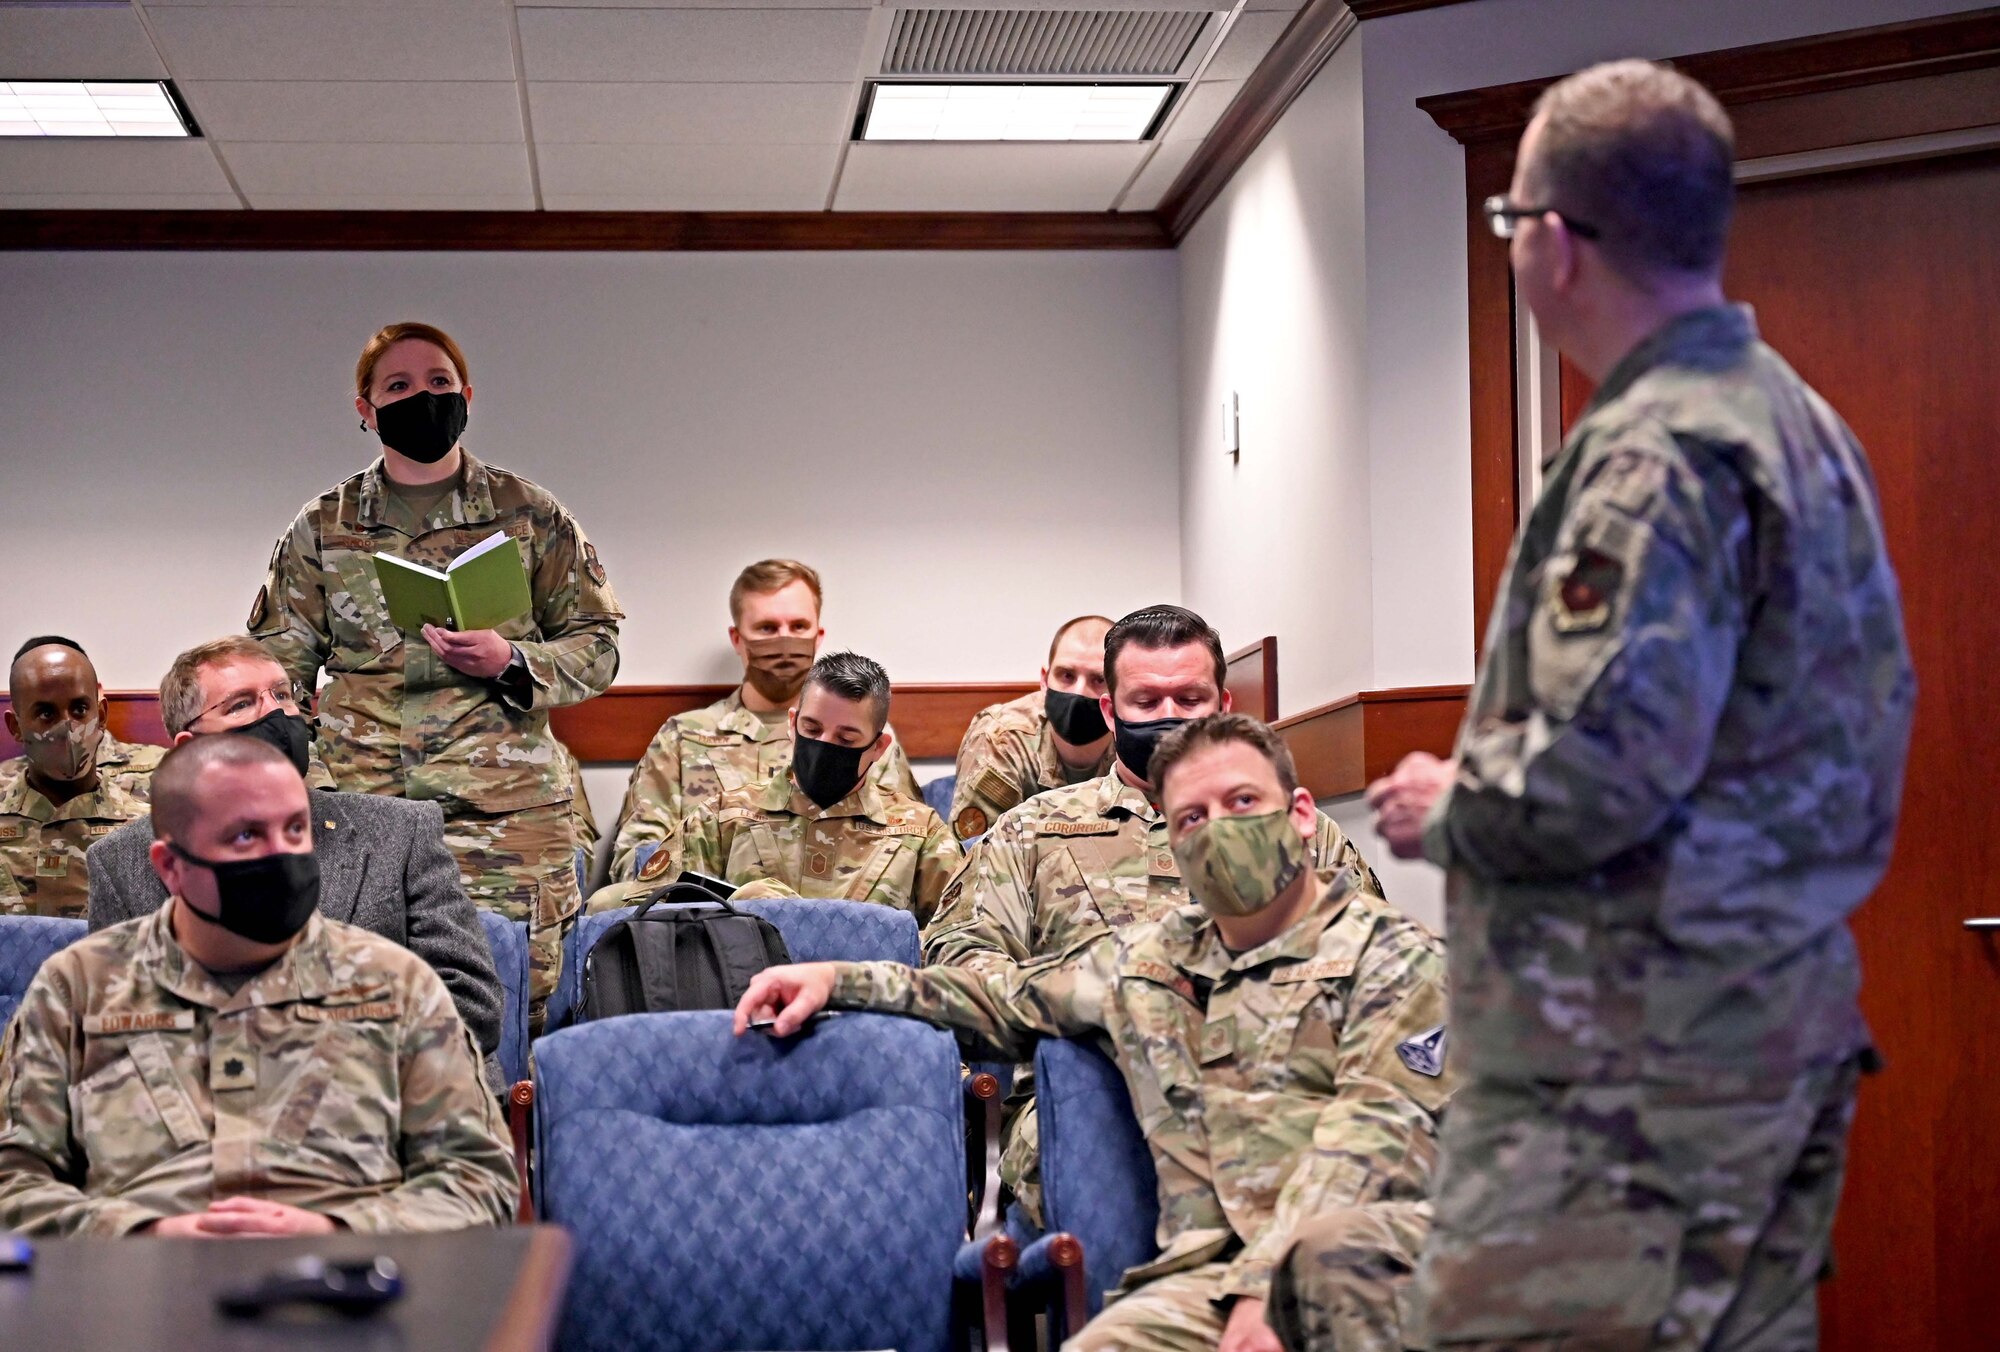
(1251, 678)
(1341, 746)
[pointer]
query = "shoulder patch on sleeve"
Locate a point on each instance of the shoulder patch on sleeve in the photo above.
(999, 792)
(590, 564)
(1424, 1053)
(1581, 596)
(657, 865)
(260, 609)
(969, 823)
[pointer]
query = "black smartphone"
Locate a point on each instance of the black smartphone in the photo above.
(350, 1286)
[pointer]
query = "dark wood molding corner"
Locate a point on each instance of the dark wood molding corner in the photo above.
(1250, 675)
(1341, 746)
(1288, 68)
(1365, 10)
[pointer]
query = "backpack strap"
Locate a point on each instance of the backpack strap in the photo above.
(738, 941)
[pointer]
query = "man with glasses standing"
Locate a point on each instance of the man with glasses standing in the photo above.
(1678, 774)
(383, 861)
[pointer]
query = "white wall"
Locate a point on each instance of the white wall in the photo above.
(971, 447)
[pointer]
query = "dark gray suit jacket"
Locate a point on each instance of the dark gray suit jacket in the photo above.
(383, 866)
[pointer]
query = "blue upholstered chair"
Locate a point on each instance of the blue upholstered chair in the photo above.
(938, 794)
(733, 1193)
(509, 941)
(641, 855)
(25, 942)
(815, 930)
(583, 870)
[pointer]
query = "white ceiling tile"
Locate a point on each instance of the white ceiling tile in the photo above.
(799, 46)
(672, 201)
(433, 41)
(362, 200)
(712, 114)
(1246, 44)
(1288, 6)
(1159, 175)
(1200, 107)
(880, 176)
(718, 4)
(112, 201)
(378, 170)
(110, 166)
(357, 110)
(718, 178)
(72, 43)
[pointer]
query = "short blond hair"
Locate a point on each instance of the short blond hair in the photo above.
(180, 692)
(768, 575)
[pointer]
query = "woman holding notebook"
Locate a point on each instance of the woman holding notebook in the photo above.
(440, 679)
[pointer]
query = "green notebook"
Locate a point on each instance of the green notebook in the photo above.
(484, 587)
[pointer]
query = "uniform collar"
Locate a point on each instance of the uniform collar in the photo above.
(303, 973)
(737, 717)
(1712, 337)
(1314, 936)
(1053, 769)
(1111, 796)
(18, 798)
(476, 493)
(780, 794)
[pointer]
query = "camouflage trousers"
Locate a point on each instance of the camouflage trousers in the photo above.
(1021, 1145)
(522, 865)
(1339, 1286)
(1614, 1217)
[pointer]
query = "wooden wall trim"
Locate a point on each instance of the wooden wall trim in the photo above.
(1339, 747)
(1251, 677)
(1313, 36)
(1381, 9)
(644, 231)
(930, 719)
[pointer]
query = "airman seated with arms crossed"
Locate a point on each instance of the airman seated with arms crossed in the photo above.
(821, 825)
(1051, 738)
(1071, 863)
(234, 1063)
(73, 783)
(742, 739)
(1283, 1043)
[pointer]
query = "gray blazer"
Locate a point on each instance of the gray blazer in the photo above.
(383, 866)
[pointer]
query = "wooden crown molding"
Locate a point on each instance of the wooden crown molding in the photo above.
(637, 231)
(1768, 70)
(1340, 747)
(1313, 36)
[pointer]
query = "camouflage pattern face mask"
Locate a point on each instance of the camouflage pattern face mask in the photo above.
(1238, 865)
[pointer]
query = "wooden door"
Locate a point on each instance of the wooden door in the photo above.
(1880, 286)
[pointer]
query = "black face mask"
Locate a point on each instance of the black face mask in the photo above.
(265, 900)
(827, 772)
(1135, 742)
(287, 732)
(423, 427)
(1076, 718)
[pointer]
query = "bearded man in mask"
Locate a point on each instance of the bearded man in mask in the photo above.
(383, 863)
(1072, 863)
(821, 825)
(743, 738)
(73, 783)
(1286, 1031)
(235, 1063)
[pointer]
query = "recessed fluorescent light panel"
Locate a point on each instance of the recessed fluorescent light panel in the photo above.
(1013, 112)
(90, 108)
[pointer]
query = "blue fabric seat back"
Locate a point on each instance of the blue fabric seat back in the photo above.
(738, 1193)
(815, 930)
(938, 794)
(1097, 1173)
(509, 941)
(583, 870)
(641, 855)
(25, 943)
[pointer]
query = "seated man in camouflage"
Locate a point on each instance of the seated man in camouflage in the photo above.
(1281, 1039)
(234, 1063)
(1049, 739)
(821, 826)
(740, 740)
(73, 784)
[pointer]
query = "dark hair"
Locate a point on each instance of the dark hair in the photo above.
(174, 781)
(1215, 730)
(1645, 155)
(1161, 627)
(1068, 625)
(852, 676)
(57, 640)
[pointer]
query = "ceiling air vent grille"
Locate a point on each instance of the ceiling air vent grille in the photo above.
(1041, 41)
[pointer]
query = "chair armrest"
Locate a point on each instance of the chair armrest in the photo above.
(520, 1117)
(1058, 1258)
(991, 1262)
(982, 1125)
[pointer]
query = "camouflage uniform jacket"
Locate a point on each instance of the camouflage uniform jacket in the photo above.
(1008, 756)
(42, 846)
(772, 840)
(1273, 1085)
(1681, 764)
(394, 718)
(695, 756)
(340, 1079)
(1066, 865)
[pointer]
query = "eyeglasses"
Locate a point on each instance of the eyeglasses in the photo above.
(1503, 218)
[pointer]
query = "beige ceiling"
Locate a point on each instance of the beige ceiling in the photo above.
(654, 105)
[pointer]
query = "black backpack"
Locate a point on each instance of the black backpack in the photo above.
(677, 956)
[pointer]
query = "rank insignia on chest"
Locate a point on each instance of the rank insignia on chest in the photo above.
(231, 1071)
(1218, 1040)
(51, 864)
(1424, 1053)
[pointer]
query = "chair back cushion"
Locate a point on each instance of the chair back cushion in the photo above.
(741, 1193)
(1097, 1172)
(25, 943)
(509, 942)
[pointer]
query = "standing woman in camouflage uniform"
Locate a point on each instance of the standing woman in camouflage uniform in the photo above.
(461, 719)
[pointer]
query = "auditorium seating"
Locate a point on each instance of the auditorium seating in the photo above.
(509, 942)
(938, 794)
(25, 943)
(740, 1193)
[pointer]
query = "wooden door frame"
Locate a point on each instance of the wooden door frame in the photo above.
(1909, 87)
